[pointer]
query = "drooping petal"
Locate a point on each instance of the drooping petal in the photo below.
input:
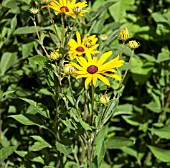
(82, 76)
(116, 76)
(104, 57)
(87, 81)
(94, 79)
(77, 66)
(103, 79)
(78, 38)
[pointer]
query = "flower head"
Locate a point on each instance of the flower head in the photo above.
(123, 34)
(72, 8)
(133, 44)
(79, 47)
(93, 68)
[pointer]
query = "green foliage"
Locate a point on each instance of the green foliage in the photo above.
(135, 129)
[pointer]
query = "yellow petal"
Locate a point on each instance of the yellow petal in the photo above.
(80, 72)
(116, 76)
(72, 43)
(103, 79)
(82, 76)
(78, 38)
(76, 66)
(104, 57)
(82, 61)
(94, 79)
(87, 81)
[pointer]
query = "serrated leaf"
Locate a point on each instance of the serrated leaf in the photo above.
(117, 142)
(63, 148)
(160, 154)
(7, 151)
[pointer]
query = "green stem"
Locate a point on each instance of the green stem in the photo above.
(62, 33)
(74, 25)
(52, 21)
(92, 102)
(71, 91)
(39, 38)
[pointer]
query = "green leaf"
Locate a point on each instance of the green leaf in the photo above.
(123, 109)
(158, 17)
(85, 125)
(117, 142)
(7, 151)
(37, 146)
(164, 55)
(162, 132)
(99, 144)
(7, 60)
(40, 60)
(40, 108)
(118, 10)
(160, 154)
(63, 148)
(38, 159)
(22, 119)
(21, 153)
(29, 30)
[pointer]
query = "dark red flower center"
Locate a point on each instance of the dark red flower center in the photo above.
(92, 69)
(80, 49)
(64, 9)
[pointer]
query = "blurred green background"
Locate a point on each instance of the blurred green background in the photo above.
(143, 115)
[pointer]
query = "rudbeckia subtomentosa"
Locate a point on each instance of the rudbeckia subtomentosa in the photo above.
(93, 68)
(79, 47)
(72, 8)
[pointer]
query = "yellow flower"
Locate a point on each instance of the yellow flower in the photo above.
(72, 8)
(78, 9)
(123, 34)
(133, 44)
(79, 47)
(93, 69)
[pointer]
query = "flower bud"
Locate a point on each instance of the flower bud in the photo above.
(68, 69)
(104, 99)
(77, 10)
(103, 37)
(123, 34)
(54, 55)
(133, 44)
(34, 10)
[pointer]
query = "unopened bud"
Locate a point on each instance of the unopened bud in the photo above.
(104, 99)
(54, 55)
(77, 10)
(68, 69)
(123, 34)
(103, 37)
(34, 10)
(133, 44)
